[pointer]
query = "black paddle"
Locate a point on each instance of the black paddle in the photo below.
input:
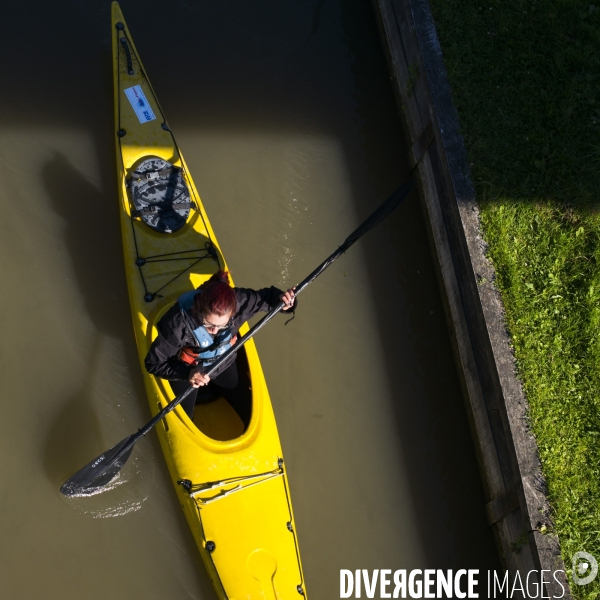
(103, 468)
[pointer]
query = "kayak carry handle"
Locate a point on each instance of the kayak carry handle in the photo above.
(127, 55)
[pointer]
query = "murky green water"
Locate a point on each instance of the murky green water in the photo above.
(286, 118)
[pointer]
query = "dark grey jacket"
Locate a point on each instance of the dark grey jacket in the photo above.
(173, 334)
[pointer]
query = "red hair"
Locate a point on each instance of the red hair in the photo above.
(217, 297)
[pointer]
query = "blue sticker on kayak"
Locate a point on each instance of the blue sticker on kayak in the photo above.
(140, 104)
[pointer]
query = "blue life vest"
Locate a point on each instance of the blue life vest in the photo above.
(210, 347)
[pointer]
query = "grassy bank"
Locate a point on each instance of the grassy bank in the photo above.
(526, 82)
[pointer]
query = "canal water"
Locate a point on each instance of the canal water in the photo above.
(285, 114)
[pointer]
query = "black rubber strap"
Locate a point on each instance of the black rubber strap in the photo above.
(127, 55)
(156, 208)
(151, 175)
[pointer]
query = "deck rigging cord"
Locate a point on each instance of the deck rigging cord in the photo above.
(240, 483)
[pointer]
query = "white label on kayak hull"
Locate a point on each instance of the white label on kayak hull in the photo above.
(140, 104)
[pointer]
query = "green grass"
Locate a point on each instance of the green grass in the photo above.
(525, 78)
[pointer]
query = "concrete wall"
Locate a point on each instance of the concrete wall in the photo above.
(517, 507)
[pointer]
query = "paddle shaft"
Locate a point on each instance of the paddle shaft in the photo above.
(105, 466)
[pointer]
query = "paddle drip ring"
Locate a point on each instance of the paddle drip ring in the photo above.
(160, 195)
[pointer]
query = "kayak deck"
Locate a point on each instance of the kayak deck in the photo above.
(231, 483)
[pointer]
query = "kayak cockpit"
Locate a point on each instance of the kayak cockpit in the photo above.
(218, 420)
(215, 417)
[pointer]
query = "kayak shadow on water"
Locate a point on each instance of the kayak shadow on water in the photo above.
(77, 434)
(73, 438)
(93, 240)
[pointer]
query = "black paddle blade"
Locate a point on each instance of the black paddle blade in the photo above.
(381, 213)
(99, 471)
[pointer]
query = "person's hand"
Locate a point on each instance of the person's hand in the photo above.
(197, 378)
(288, 298)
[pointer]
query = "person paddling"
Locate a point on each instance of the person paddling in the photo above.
(198, 328)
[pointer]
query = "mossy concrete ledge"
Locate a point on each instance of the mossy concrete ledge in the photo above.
(517, 507)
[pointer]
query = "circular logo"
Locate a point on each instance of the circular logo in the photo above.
(585, 568)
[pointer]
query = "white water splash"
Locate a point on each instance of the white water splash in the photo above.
(125, 493)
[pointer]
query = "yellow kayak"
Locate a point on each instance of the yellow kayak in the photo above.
(231, 483)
